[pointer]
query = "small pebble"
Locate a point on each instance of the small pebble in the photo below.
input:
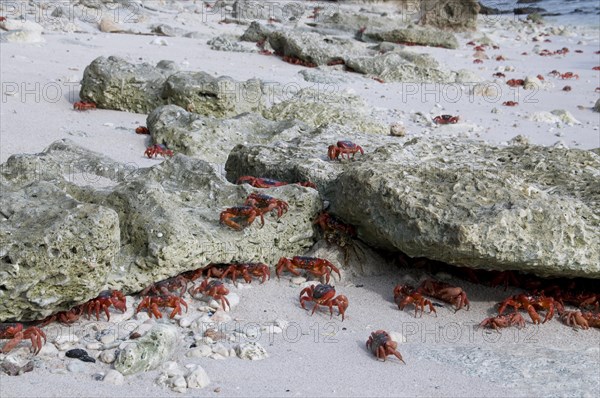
(80, 354)
(114, 377)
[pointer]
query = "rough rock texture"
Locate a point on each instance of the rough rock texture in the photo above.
(114, 83)
(55, 251)
(150, 351)
(204, 94)
(259, 10)
(352, 22)
(317, 107)
(312, 47)
(528, 208)
(423, 36)
(597, 106)
(401, 66)
(168, 219)
(212, 139)
(450, 14)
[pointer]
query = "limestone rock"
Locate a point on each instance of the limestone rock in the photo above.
(597, 106)
(252, 351)
(56, 251)
(204, 94)
(197, 377)
(522, 207)
(212, 139)
(148, 352)
(114, 83)
(423, 36)
(401, 67)
(316, 107)
(450, 14)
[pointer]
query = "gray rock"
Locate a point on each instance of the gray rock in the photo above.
(197, 377)
(257, 32)
(316, 107)
(597, 106)
(259, 10)
(352, 21)
(522, 207)
(204, 94)
(450, 14)
(252, 351)
(56, 251)
(114, 83)
(227, 42)
(423, 36)
(312, 47)
(114, 377)
(148, 352)
(212, 139)
(401, 67)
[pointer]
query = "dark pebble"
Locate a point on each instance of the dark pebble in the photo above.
(80, 354)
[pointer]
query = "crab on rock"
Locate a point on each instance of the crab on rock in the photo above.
(266, 203)
(239, 217)
(314, 265)
(381, 345)
(322, 294)
(158, 149)
(343, 147)
(15, 332)
(104, 300)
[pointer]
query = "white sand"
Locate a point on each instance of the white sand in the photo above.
(545, 360)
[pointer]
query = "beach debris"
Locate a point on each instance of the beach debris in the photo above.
(80, 354)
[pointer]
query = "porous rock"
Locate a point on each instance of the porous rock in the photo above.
(149, 351)
(450, 14)
(212, 139)
(401, 66)
(316, 107)
(168, 218)
(422, 36)
(252, 351)
(521, 207)
(56, 251)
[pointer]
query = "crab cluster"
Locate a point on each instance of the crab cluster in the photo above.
(255, 205)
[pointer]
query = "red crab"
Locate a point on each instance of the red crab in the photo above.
(331, 224)
(316, 266)
(596, 68)
(406, 294)
(324, 295)
(152, 303)
(168, 286)
(15, 332)
(297, 61)
(266, 203)
(510, 103)
(530, 304)
(215, 289)
(240, 217)
(84, 105)
(343, 147)
(142, 130)
(478, 61)
(104, 300)
(445, 119)
(503, 321)
(445, 292)
(158, 149)
(66, 317)
(569, 75)
(499, 74)
(247, 271)
(566, 88)
(540, 77)
(581, 319)
(500, 58)
(516, 82)
(381, 345)
(554, 73)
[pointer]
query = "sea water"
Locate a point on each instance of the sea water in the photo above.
(567, 12)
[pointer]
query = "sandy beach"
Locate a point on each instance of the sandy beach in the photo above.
(446, 355)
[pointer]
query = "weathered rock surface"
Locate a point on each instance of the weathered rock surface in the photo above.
(352, 21)
(450, 14)
(317, 107)
(114, 83)
(150, 351)
(423, 36)
(528, 208)
(168, 221)
(401, 66)
(597, 106)
(55, 251)
(312, 47)
(212, 139)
